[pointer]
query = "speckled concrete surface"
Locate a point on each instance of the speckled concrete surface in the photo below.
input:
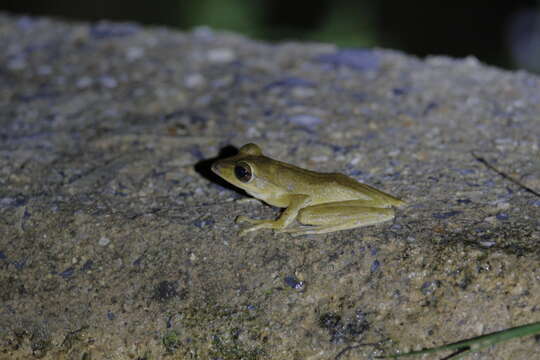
(116, 244)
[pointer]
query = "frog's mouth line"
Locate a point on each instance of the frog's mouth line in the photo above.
(215, 167)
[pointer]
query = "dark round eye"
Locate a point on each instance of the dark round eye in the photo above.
(243, 172)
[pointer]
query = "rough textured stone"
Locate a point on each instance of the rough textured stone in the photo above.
(115, 243)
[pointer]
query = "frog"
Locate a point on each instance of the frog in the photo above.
(319, 202)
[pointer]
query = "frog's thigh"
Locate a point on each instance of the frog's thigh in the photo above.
(333, 217)
(333, 214)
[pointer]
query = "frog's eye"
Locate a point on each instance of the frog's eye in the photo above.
(242, 171)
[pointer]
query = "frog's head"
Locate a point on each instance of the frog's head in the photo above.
(246, 170)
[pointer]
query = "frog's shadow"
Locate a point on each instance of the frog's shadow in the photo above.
(204, 168)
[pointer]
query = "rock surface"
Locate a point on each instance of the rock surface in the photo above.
(115, 243)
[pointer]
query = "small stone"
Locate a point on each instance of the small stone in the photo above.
(503, 206)
(221, 55)
(355, 160)
(319, 159)
(203, 32)
(252, 132)
(84, 82)
(104, 241)
(108, 82)
(44, 70)
(502, 216)
(305, 120)
(303, 92)
(18, 63)
(487, 244)
(134, 53)
(194, 80)
(291, 281)
(532, 181)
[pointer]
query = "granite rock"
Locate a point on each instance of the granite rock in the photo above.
(116, 243)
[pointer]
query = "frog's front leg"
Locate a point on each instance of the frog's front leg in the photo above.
(296, 202)
(341, 215)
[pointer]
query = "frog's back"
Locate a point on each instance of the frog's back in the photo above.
(329, 187)
(363, 191)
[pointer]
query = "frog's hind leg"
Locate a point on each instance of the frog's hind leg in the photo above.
(296, 203)
(334, 217)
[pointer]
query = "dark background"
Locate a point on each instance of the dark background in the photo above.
(501, 33)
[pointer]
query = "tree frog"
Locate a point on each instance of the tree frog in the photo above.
(322, 202)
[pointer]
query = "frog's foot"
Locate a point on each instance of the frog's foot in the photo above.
(258, 224)
(263, 224)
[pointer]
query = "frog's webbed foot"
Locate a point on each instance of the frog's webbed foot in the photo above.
(258, 224)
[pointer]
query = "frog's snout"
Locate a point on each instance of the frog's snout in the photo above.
(215, 167)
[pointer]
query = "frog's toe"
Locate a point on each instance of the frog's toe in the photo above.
(243, 232)
(252, 228)
(243, 219)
